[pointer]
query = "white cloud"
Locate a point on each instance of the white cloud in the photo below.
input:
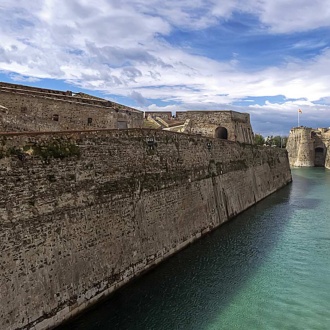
(19, 78)
(284, 16)
(119, 47)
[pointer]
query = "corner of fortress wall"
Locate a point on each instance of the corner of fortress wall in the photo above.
(303, 144)
(300, 147)
(82, 213)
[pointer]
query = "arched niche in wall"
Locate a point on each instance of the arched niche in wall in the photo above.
(221, 133)
(319, 157)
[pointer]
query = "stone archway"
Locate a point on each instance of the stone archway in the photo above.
(221, 133)
(319, 157)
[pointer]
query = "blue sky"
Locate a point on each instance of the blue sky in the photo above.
(268, 58)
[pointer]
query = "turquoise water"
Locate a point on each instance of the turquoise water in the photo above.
(269, 268)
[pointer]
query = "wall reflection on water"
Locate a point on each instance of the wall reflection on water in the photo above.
(241, 276)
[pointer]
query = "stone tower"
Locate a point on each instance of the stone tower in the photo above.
(307, 147)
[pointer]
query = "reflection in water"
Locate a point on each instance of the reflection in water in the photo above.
(266, 269)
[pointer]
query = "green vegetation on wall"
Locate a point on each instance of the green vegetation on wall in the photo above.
(58, 149)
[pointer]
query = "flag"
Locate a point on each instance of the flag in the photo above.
(299, 111)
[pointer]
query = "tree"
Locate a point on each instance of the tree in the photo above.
(280, 141)
(276, 141)
(259, 140)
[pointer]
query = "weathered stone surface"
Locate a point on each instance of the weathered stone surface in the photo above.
(83, 213)
(25, 108)
(236, 125)
(37, 109)
(223, 124)
(307, 147)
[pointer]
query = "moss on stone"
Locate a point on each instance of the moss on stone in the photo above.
(57, 149)
(12, 151)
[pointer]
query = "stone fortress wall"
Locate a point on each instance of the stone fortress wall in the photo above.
(94, 200)
(309, 147)
(82, 213)
(223, 124)
(230, 125)
(167, 115)
(27, 108)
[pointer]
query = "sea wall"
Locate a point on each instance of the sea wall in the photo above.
(82, 213)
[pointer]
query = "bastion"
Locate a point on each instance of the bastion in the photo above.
(86, 209)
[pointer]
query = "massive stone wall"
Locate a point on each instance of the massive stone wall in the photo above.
(207, 123)
(25, 108)
(308, 147)
(35, 109)
(82, 213)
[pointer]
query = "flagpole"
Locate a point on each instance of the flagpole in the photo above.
(299, 112)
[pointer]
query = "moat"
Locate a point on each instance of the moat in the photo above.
(269, 268)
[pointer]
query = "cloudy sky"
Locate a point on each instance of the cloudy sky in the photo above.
(265, 57)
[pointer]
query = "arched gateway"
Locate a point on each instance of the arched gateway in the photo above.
(221, 133)
(319, 157)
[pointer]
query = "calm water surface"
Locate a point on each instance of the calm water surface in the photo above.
(267, 269)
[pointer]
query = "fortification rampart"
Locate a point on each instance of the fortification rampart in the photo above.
(81, 213)
(223, 124)
(67, 96)
(36, 111)
(235, 126)
(24, 108)
(4, 85)
(308, 147)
